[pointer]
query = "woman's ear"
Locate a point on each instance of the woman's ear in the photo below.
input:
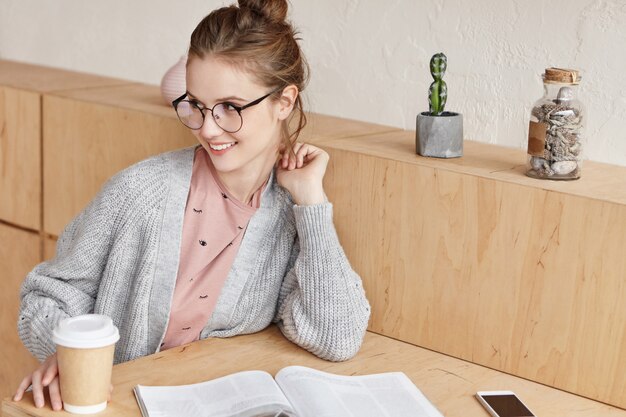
(287, 101)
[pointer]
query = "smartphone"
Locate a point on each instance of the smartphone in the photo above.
(503, 404)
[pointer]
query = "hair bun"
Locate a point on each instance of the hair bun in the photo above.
(273, 10)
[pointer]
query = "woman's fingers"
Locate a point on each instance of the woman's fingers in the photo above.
(22, 388)
(55, 394)
(293, 157)
(51, 372)
(44, 376)
(287, 159)
(38, 389)
(301, 154)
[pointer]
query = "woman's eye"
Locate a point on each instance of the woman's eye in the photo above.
(230, 107)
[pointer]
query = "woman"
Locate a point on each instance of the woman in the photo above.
(216, 240)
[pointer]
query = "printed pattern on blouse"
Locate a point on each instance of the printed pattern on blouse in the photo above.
(213, 227)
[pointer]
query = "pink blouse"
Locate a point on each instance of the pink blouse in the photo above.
(213, 227)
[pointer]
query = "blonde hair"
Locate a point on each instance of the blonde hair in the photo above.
(256, 35)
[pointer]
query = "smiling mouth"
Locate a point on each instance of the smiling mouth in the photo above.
(222, 147)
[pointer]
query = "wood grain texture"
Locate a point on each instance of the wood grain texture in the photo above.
(501, 272)
(20, 158)
(85, 144)
(599, 181)
(20, 251)
(321, 128)
(49, 247)
(41, 79)
(140, 97)
(449, 383)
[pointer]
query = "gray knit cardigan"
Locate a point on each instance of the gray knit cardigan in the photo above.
(120, 256)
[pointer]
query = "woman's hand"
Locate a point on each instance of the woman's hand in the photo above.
(47, 375)
(302, 175)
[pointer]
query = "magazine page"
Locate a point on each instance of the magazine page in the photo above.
(244, 394)
(314, 393)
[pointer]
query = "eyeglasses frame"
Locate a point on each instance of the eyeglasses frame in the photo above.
(239, 109)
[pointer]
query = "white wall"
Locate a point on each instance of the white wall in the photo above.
(369, 58)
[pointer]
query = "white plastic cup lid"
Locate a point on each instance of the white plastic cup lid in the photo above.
(87, 331)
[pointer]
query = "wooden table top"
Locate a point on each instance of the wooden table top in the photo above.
(449, 383)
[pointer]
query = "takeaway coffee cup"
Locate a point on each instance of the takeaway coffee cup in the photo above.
(85, 347)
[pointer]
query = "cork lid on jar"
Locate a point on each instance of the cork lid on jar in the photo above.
(561, 76)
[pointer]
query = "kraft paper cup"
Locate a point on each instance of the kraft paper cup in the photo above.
(85, 347)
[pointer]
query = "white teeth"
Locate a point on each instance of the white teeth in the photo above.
(222, 147)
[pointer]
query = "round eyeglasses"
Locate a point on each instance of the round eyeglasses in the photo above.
(226, 115)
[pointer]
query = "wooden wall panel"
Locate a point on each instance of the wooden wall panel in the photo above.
(20, 158)
(20, 251)
(321, 128)
(512, 276)
(49, 248)
(87, 143)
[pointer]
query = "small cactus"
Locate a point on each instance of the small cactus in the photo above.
(438, 91)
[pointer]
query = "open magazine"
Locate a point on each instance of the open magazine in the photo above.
(296, 391)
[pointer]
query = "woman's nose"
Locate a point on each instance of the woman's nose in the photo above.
(210, 129)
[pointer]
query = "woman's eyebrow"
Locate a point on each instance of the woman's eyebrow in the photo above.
(219, 100)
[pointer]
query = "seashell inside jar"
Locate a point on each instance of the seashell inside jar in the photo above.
(555, 139)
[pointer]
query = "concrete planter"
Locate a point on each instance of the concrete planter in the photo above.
(439, 136)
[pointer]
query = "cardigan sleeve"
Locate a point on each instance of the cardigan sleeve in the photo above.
(322, 305)
(67, 285)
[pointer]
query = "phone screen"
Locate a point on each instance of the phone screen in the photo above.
(507, 406)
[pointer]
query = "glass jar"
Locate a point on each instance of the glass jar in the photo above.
(555, 139)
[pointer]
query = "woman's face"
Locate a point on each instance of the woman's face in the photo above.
(254, 147)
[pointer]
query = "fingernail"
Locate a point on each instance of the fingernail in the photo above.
(38, 404)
